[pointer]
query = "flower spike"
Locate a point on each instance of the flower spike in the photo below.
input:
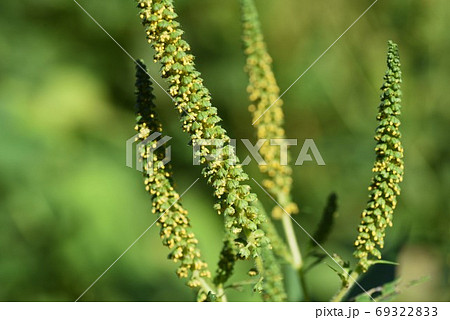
(264, 91)
(388, 167)
(175, 230)
(200, 120)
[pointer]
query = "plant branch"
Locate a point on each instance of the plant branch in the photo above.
(221, 296)
(297, 261)
(346, 288)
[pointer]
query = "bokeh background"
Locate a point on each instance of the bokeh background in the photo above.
(69, 206)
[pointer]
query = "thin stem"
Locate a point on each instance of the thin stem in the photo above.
(239, 284)
(221, 296)
(205, 285)
(297, 261)
(301, 275)
(209, 288)
(345, 290)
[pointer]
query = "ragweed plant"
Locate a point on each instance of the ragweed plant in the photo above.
(388, 167)
(175, 231)
(249, 232)
(388, 173)
(268, 118)
(201, 122)
(266, 109)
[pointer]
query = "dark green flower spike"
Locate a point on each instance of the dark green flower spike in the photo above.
(388, 167)
(175, 230)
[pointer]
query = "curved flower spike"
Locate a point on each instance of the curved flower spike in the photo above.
(388, 167)
(201, 121)
(175, 231)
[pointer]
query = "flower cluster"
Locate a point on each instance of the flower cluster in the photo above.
(175, 226)
(388, 167)
(200, 120)
(263, 92)
(272, 287)
(278, 245)
(267, 267)
(226, 262)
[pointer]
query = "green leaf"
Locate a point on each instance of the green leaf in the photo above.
(363, 298)
(211, 297)
(258, 287)
(388, 291)
(373, 262)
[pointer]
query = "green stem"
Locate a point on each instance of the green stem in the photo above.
(240, 284)
(345, 289)
(297, 261)
(301, 276)
(207, 287)
(221, 296)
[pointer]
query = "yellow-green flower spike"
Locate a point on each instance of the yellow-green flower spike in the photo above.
(200, 120)
(263, 92)
(388, 167)
(175, 230)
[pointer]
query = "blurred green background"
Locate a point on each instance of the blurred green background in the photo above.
(69, 206)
